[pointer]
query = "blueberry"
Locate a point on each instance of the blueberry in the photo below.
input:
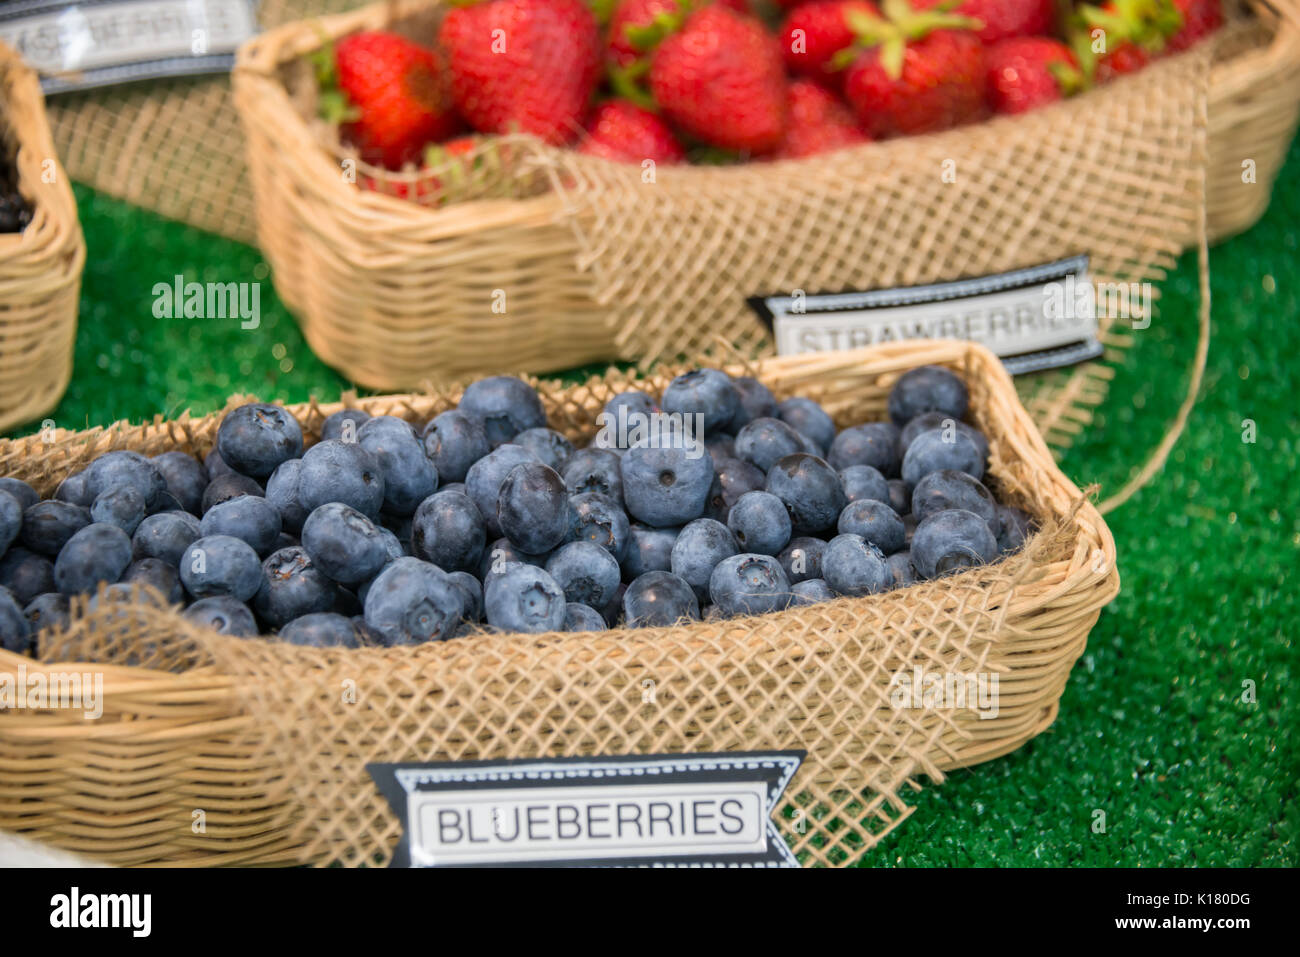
(756, 402)
(282, 492)
(221, 565)
(760, 523)
(810, 591)
(951, 540)
(587, 573)
(874, 444)
(648, 550)
(215, 465)
(248, 517)
(165, 502)
(938, 420)
(659, 599)
(74, 490)
(367, 637)
(594, 470)
(597, 518)
(15, 629)
(224, 615)
(666, 486)
(334, 471)
(900, 496)
(255, 438)
(471, 591)
(501, 553)
(706, 392)
(454, 441)
(613, 612)
(764, 441)
(11, 519)
(621, 415)
(721, 446)
(165, 536)
(802, 558)
(486, 476)
(927, 389)
(524, 598)
(808, 419)
(114, 469)
(550, 447)
(900, 567)
(26, 574)
(292, 586)
(533, 507)
(864, 482)
(811, 491)
(909, 526)
(48, 525)
(159, 575)
(411, 602)
(732, 478)
(1014, 526)
(949, 489)
(343, 425)
(749, 584)
(321, 629)
(21, 491)
(942, 449)
(227, 486)
(344, 544)
(96, 553)
(580, 617)
(448, 531)
(700, 546)
(455, 487)
(185, 476)
(875, 521)
(346, 602)
(506, 406)
(855, 567)
(409, 476)
(48, 610)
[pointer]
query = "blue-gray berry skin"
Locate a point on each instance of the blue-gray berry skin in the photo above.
(346, 602)
(550, 447)
(597, 518)
(1014, 526)
(875, 521)
(48, 525)
(587, 573)
(322, 629)
(165, 536)
(486, 476)
(580, 617)
(900, 567)
(342, 472)
(756, 402)
(500, 553)
(533, 507)
(864, 482)
(226, 486)
(942, 449)
(224, 615)
(157, 574)
(221, 565)
(749, 584)
(248, 517)
(613, 612)
(524, 598)
(949, 489)
(659, 599)
(448, 530)
(721, 446)
(11, 519)
(96, 553)
(506, 405)
(215, 464)
(453, 441)
(811, 491)
(23, 493)
(594, 470)
(763, 441)
(950, 541)
(666, 486)
(49, 609)
(344, 544)
(874, 444)
(808, 419)
(455, 487)
(909, 526)
(185, 476)
(26, 574)
(648, 550)
(623, 414)
(15, 629)
(927, 389)
(700, 546)
(810, 591)
(114, 469)
(165, 502)
(471, 590)
(900, 496)
(732, 478)
(938, 420)
(760, 523)
(343, 425)
(282, 492)
(254, 438)
(802, 558)
(854, 567)
(706, 392)
(74, 490)
(412, 602)
(409, 476)
(292, 586)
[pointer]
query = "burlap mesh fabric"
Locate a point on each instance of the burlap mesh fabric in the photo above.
(270, 741)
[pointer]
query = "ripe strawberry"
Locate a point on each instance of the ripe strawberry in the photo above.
(526, 65)
(1027, 72)
(1005, 18)
(817, 122)
(627, 133)
(1200, 19)
(638, 25)
(720, 79)
(426, 190)
(398, 93)
(1121, 36)
(825, 32)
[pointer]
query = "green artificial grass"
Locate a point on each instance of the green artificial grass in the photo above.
(1152, 730)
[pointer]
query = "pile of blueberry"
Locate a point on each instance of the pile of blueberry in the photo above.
(712, 502)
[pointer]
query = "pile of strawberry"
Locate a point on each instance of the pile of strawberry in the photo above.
(721, 80)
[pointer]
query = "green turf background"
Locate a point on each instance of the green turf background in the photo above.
(1153, 729)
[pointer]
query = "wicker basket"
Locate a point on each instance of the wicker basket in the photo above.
(253, 733)
(40, 268)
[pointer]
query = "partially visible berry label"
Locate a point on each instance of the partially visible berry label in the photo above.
(627, 810)
(77, 46)
(1041, 317)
